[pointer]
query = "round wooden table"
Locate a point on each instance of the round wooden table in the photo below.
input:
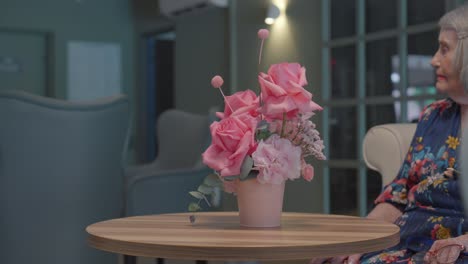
(218, 236)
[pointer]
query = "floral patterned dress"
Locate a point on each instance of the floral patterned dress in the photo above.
(429, 199)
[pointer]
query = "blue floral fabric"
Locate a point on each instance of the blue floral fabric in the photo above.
(427, 195)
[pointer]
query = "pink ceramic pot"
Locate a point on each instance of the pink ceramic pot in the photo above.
(260, 205)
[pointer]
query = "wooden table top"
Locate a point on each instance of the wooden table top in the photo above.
(218, 236)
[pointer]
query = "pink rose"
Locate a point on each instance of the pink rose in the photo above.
(232, 140)
(283, 92)
(277, 160)
(307, 171)
(240, 102)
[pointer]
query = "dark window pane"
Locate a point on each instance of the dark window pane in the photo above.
(343, 18)
(380, 114)
(343, 72)
(415, 106)
(391, 113)
(343, 133)
(425, 43)
(343, 191)
(381, 15)
(421, 76)
(421, 48)
(379, 56)
(374, 187)
(424, 11)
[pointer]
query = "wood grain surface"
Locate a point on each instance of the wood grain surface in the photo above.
(218, 236)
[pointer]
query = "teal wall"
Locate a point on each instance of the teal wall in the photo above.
(297, 38)
(202, 51)
(203, 48)
(146, 21)
(74, 20)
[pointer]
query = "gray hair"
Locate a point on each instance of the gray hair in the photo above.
(457, 20)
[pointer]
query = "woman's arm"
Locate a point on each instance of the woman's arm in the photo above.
(385, 212)
(382, 211)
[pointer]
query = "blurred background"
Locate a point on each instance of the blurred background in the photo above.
(367, 63)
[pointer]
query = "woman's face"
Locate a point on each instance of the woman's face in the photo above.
(448, 78)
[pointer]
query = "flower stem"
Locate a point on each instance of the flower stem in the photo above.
(260, 53)
(299, 130)
(283, 125)
(232, 111)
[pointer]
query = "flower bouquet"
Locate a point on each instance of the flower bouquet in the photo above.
(264, 138)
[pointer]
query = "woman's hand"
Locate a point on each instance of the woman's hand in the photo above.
(337, 260)
(438, 244)
(383, 211)
(353, 259)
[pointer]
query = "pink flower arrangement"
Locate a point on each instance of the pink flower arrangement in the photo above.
(268, 136)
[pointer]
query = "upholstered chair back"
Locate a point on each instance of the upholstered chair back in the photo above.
(181, 137)
(163, 185)
(385, 147)
(60, 170)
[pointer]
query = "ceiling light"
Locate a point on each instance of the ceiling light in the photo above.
(273, 13)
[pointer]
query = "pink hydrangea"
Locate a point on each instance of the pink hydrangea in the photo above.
(301, 132)
(277, 160)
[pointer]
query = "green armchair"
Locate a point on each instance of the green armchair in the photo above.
(60, 170)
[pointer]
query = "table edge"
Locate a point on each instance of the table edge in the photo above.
(154, 250)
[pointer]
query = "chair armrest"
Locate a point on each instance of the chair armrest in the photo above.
(163, 191)
(385, 147)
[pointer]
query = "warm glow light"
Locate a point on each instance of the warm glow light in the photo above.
(276, 11)
(273, 13)
(280, 38)
(269, 21)
(281, 4)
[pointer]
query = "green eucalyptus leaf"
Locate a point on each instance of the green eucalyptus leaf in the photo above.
(212, 180)
(262, 132)
(262, 125)
(205, 189)
(198, 195)
(193, 207)
(231, 178)
(262, 135)
(207, 202)
(246, 167)
(215, 196)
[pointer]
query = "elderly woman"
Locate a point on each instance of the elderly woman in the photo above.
(424, 198)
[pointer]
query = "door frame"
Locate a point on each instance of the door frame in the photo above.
(148, 91)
